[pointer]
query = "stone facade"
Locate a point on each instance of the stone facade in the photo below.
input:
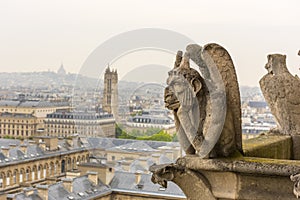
(18, 125)
(22, 119)
(64, 124)
(34, 168)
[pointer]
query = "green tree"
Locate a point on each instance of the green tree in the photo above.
(160, 136)
(120, 133)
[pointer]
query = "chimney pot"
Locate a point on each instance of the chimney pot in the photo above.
(28, 191)
(68, 184)
(43, 191)
(5, 151)
(93, 176)
(138, 177)
(23, 148)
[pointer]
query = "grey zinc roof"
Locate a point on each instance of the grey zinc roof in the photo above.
(2, 157)
(7, 142)
(9, 103)
(105, 143)
(34, 149)
(16, 153)
(125, 181)
(137, 146)
(102, 143)
(80, 185)
(22, 196)
(84, 185)
(164, 160)
(57, 191)
(17, 115)
(136, 166)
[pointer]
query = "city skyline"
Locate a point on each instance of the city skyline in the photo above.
(39, 36)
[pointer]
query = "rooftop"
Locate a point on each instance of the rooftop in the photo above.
(32, 104)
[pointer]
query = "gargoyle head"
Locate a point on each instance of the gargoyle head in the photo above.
(276, 64)
(162, 174)
(181, 79)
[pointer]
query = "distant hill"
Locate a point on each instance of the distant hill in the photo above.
(43, 80)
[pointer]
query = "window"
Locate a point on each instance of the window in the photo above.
(15, 178)
(1, 179)
(21, 177)
(27, 175)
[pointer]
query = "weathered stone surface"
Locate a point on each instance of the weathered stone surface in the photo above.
(265, 187)
(193, 184)
(265, 175)
(296, 147)
(253, 165)
(233, 178)
(206, 109)
(281, 90)
(269, 146)
(223, 184)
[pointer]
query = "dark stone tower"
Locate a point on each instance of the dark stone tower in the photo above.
(110, 93)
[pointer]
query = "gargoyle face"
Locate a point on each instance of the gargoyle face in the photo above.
(171, 101)
(176, 86)
(276, 64)
(180, 84)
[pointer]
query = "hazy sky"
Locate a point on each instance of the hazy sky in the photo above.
(39, 35)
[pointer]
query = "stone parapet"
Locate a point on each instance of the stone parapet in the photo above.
(230, 178)
(269, 146)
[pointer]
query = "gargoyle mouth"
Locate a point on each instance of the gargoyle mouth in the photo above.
(171, 102)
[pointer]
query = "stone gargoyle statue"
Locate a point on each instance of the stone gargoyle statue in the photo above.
(204, 95)
(282, 92)
(207, 108)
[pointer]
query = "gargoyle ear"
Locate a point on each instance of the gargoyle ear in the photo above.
(178, 59)
(196, 85)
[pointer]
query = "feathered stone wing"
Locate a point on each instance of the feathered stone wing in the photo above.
(231, 136)
(282, 92)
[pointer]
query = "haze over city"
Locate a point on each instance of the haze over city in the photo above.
(39, 36)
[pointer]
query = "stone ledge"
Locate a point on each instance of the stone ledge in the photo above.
(248, 165)
(269, 146)
(243, 178)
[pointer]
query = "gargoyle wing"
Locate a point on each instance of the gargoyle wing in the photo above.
(217, 69)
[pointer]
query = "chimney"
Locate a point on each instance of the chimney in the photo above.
(31, 142)
(28, 191)
(138, 177)
(5, 151)
(93, 177)
(155, 157)
(42, 145)
(4, 196)
(143, 162)
(12, 145)
(68, 184)
(73, 174)
(70, 142)
(23, 148)
(43, 191)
